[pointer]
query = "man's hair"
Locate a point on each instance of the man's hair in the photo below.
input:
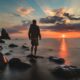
(34, 21)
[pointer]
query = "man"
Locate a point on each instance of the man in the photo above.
(34, 35)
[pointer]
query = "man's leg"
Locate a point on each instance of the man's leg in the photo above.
(32, 50)
(35, 50)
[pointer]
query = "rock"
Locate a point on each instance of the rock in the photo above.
(32, 60)
(4, 34)
(32, 56)
(2, 41)
(67, 72)
(25, 47)
(2, 62)
(1, 47)
(13, 45)
(16, 63)
(7, 53)
(56, 60)
(11, 51)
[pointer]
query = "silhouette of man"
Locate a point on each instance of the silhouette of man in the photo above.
(34, 36)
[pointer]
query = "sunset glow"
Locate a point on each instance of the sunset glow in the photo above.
(48, 34)
(63, 36)
(39, 39)
(15, 14)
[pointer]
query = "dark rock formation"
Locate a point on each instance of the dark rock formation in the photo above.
(13, 45)
(16, 63)
(67, 72)
(56, 60)
(4, 34)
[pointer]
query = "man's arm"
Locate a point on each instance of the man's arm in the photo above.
(29, 33)
(39, 33)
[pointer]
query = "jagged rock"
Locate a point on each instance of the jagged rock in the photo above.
(2, 41)
(13, 45)
(56, 60)
(4, 34)
(16, 63)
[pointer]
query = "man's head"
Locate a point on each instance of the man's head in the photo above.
(34, 22)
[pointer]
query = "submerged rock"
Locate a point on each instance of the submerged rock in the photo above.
(13, 45)
(56, 60)
(4, 34)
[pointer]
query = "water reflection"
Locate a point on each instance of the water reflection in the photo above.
(63, 53)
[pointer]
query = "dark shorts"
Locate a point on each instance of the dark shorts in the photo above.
(34, 42)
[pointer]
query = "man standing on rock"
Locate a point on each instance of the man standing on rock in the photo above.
(34, 36)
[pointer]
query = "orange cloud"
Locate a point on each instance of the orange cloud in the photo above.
(24, 11)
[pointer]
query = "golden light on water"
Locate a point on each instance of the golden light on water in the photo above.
(63, 53)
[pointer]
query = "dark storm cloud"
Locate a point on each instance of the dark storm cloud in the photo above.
(63, 27)
(53, 19)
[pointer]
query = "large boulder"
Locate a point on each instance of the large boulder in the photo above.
(16, 63)
(4, 34)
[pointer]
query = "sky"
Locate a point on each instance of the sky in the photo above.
(16, 12)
